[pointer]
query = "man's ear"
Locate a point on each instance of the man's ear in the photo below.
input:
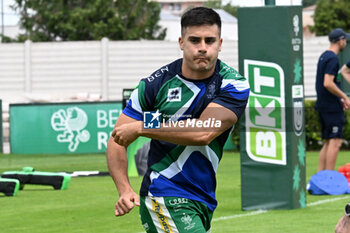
(220, 44)
(181, 43)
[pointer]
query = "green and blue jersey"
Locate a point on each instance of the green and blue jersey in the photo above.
(178, 170)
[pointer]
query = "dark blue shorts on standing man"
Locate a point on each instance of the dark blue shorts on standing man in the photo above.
(332, 124)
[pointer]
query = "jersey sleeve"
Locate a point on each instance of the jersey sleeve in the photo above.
(133, 109)
(332, 66)
(143, 97)
(234, 91)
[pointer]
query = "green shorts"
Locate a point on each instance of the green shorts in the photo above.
(174, 214)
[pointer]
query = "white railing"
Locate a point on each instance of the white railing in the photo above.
(57, 71)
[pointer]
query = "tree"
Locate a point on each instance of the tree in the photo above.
(217, 4)
(330, 14)
(71, 20)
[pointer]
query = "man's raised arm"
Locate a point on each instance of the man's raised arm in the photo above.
(189, 132)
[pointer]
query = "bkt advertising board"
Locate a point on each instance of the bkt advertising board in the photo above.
(62, 128)
(272, 138)
(265, 115)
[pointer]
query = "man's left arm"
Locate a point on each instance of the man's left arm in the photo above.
(195, 134)
(199, 134)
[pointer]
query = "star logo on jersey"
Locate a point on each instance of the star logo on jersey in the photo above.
(174, 94)
(151, 120)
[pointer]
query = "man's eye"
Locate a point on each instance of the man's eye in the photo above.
(194, 40)
(209, 40)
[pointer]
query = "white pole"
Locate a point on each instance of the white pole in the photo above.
(27, 66)
(104, 68)
(2, 20)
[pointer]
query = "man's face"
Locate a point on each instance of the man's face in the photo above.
(201, 46)
(342, 44)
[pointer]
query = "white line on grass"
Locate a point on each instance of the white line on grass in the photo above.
(239, 215)
(326, 201)
(265, 211)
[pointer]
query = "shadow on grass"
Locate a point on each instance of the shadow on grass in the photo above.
(41, 189)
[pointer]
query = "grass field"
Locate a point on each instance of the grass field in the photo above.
(88, 204)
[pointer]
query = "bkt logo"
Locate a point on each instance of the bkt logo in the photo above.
(265, 115)
(151, 120)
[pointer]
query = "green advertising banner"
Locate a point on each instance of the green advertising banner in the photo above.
(272, 129)
(65, 128)
(62, 128)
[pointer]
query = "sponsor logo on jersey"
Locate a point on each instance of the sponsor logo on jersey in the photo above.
(163, 220)
(158, 73)
(174, 94)
(187, 220)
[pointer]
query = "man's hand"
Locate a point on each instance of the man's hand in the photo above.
(126, 133)
(346, 103)
(335, 90)
(126, 203)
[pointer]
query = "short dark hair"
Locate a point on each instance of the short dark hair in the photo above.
(200, 16)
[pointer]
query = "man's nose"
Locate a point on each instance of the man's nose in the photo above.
(202, 46)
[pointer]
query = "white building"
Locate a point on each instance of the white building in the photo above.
(8, 19)
(308, 20)
(178, 6)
